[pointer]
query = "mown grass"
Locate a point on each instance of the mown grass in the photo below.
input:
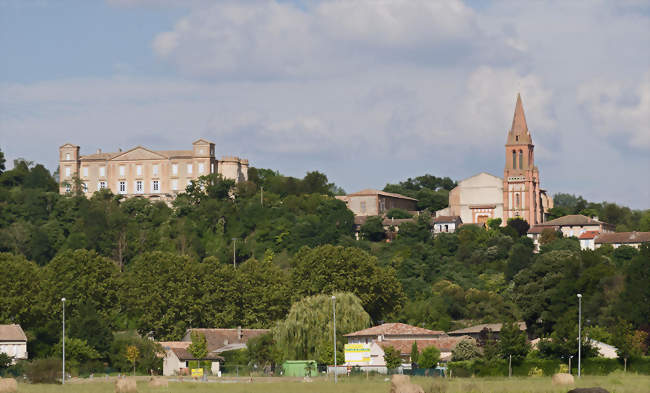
(615, 383)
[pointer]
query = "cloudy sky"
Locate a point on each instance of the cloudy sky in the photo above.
(367, 91)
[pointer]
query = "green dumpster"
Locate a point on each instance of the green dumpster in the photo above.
(299, 368)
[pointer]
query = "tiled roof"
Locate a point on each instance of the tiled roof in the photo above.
(495, 327)
(99, 156)
(370, 191)
(623, 237)
(12, 333)
(572, 220)
(218, 338)
(539, 229)
(444, 344)
(175, 344)
(447, 219)
(588, 235)
(394, 329)
(184, 354)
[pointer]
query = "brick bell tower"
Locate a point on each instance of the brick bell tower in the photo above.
(521, 192)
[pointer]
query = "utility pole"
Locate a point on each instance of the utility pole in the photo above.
(334, 315)
(234, 252)
(579, 331)
(63, 342)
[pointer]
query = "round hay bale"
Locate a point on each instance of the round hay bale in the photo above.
(125, 385)
(588, 390)
(402, 384)
(562, 379)
(8, 385)
(158, 382)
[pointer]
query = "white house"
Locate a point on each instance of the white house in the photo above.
(446, 224)
(617, 239)
(13, 342)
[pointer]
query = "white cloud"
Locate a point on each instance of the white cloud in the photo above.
(372, 91)
(619, 111)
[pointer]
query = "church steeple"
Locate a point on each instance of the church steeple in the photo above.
(519, 134)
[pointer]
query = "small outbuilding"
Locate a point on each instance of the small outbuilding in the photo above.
(13, 342)
(299, 368)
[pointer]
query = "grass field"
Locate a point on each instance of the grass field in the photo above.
(615, 383)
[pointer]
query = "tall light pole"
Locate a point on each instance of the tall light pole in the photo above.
(334, 315)
(63, 342)
(579, 330)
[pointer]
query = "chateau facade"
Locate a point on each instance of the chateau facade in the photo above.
(142, 172)
(518, 194)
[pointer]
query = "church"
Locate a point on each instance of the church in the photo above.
(518, 194)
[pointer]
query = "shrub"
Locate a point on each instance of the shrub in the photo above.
(44, 370)
(398, 213)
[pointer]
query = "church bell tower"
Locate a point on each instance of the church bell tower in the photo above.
(521, 192)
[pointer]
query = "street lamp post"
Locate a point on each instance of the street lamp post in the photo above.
(570, 357)
(579, 331)
(63, 342)
(334, 317)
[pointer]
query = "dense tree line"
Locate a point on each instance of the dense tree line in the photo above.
(133, 264)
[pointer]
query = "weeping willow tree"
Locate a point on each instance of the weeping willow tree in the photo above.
(307, 331)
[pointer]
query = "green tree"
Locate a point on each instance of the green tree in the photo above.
(199, 346)
(327, 269)
(398, 213)
(132, 355)
(77, 352)
(519, 224)
(20, 290)
(5, 360)
(262, 351)
(150, 353)
(494, 223)
(465, 350)
(88, 325)
(628, 343)
(309, 323)
(373, 229)
(430, 357)
(415, 354)
(512, 341)
(392, 358)
(82, 277)
(634, 301)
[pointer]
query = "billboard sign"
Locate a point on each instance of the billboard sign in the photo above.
(357, 353)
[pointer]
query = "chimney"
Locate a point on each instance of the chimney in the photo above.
(99, 151)
(119, 149)
(239, 335)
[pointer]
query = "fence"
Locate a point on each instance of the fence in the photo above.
(590, 366)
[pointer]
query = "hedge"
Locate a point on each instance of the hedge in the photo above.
(590, 366)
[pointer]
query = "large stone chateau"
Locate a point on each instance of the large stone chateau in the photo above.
(142, 172)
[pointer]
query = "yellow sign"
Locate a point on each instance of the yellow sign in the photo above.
(197, 372)
(357, 353)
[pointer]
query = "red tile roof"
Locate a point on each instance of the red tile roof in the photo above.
(12, 333)
(623, 237)
(495, 327)
(394, 329)
(370, 191)
(588, 235)
(444, 344)
(447, 219)
(218, 338)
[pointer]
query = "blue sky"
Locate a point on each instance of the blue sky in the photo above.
(368, 92)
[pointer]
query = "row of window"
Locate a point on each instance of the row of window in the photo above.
(122, 188)
(138, 170)
(514, 159)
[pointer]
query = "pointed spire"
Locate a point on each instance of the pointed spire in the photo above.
(519, 132)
